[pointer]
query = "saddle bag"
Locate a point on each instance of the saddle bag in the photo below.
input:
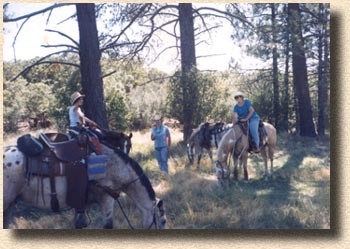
(29, 145)
(97, 166)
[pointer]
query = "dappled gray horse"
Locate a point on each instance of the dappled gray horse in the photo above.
(205, 136)
(123, 175)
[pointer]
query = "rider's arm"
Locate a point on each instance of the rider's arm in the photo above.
(168, 138)
(83, 118)
(251, 112)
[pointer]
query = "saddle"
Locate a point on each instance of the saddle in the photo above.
(208, 130)
(66, 151)
(62, 156)
(261, 131)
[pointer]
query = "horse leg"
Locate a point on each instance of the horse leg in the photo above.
(6, 218)
(107, 207)
(199, 156)
(235, 168)
(211, 158)
(245, 165)
(271, 154)
(264, 156)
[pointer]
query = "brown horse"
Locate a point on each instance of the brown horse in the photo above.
(123, 174)
(117, 140)
(236, 143)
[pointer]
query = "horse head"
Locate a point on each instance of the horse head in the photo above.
(222, 171)
(190, 153)
(118, 140)
(160, 220)
(126, 143)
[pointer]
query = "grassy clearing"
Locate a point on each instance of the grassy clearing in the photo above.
(296, 197)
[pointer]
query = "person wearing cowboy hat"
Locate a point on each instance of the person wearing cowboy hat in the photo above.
(161, 136)
(76, 117)
(77, 120)
(245, 112)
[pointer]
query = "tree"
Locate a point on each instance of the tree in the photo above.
(276, 102)
(300, 78)
(322, 69)
(89, 52)
(188, 65)
(90, 67)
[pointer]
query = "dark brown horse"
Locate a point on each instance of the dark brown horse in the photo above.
(117, 140)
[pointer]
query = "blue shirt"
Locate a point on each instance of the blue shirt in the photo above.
(243, 110)
(160, 134)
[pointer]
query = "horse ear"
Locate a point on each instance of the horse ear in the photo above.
(130, 135)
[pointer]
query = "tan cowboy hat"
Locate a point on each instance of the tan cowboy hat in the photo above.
(75, 96)
(156, 118)
(238, 94)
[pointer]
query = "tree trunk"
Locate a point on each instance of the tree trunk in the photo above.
(188, 65)
(321, 80)
(285, 100)
(326, 66)
(307, 127)
(90, 67)
(276, 102)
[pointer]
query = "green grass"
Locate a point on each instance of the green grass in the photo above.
(297, 196)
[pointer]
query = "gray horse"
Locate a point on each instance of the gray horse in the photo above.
(123, 175)
(205, 136)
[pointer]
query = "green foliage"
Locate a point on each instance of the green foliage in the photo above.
(208, 98)
(116, 110)
(13, 105)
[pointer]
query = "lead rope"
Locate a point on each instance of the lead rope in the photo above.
(126, 217)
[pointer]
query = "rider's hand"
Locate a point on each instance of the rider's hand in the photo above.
(244, 120)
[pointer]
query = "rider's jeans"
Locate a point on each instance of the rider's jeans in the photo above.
(254, 130)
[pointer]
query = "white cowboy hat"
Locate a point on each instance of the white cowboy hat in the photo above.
(239, 93)
(156, 118)
(75, 96)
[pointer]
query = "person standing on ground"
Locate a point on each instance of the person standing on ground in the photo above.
(160, 134)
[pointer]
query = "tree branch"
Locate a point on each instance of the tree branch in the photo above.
(27, 69)
(113, 43)
(64, 35)
(225, 13)
(109, 74)
(61, 45)
(56, 5)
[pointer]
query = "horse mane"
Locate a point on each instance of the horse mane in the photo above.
(139, 171)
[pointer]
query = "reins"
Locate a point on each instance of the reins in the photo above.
(115, 195)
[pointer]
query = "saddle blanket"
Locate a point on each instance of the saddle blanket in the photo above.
(96, 166)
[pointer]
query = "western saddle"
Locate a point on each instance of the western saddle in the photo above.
(62, 156)
(66, 150)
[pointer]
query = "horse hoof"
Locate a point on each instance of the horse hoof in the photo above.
(80, 221)
(108, 225)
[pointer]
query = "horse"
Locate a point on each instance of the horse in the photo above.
(123, 174)
(236, 143)
(205, 136)
(117, 140)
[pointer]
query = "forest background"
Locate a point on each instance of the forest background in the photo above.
(288, 49)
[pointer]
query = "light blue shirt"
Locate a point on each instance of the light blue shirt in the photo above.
(243, 110)
(160, 134)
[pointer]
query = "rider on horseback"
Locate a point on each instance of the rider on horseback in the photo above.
(77, 120)
(246, 113)
(77, 183)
